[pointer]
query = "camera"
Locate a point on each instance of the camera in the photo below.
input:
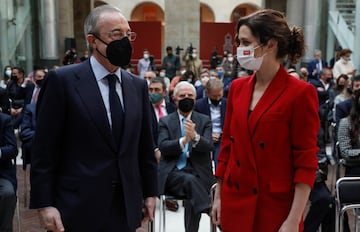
(178, 49)
(190, 49)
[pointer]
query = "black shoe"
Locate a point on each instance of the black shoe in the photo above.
(172, 205)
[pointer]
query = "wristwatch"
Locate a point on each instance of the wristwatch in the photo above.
(197, 138)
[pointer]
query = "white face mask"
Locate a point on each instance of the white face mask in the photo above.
(146, 56)
(194, 55)
(8, 73)
(246, 59)
(162, 74)
(231, 59)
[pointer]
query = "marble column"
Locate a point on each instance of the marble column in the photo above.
(182, 24)
(49, 44)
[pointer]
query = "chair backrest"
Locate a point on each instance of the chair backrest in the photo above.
(348, 190)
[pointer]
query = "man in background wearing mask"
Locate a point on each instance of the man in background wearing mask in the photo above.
(192, 61)
(144, 64)
(16, 92)
(170, 63)
(185, 166)
(92, 165)
(28, 119)
(214, 105)
(323, 85)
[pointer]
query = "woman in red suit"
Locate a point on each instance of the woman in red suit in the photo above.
(267, 161)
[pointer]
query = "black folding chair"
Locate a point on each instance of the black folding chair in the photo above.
(347, 197)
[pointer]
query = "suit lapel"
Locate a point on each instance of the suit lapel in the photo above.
(89, 92)
(271, 94)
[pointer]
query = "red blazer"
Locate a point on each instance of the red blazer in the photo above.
(265, 153)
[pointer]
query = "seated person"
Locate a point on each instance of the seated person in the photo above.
(8, 184)
(27, 132)
(185, 166)
(214, 105)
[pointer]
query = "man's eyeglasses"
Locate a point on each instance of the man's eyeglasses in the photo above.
(118, 35)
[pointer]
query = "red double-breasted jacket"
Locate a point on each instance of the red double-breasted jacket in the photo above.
(266, 152)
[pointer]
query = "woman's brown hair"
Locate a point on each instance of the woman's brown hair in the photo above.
(271, 24)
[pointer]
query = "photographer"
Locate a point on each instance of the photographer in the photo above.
(192, 62)
(70, 57)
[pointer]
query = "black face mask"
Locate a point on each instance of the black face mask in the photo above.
(39, 82)
(118, 52)
(356, 93)
(328, 80)
(14, 78)
(215, 102)
(341, 87)
(186, 105)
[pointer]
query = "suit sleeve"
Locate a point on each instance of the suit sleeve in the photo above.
(8, 141)
(305, 125)
(169, 147)
(147, 160)
(47, 148)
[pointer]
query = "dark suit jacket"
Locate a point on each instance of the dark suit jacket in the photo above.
(75, 159)
(312, 66)
(170, 107)
(199, 156)
(202, 106)
(343, 110)
(8, 149)
(27, 132)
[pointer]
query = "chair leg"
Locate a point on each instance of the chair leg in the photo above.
(25, 189)
(18, 213)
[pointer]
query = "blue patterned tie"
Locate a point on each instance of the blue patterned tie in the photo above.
(182, 159)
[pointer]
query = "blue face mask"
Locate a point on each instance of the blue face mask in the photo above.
(155, 97)
(220, 73)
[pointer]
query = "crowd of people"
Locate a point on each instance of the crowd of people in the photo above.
(95, 130)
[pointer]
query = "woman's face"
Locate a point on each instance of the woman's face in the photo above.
(246, 38)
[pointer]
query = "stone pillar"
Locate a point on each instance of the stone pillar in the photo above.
(294, 12)
(49, 44)
(312, 28)
(182, 24)
(356, 55)
(331, 40)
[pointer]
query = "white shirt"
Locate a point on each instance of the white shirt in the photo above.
(100, 73)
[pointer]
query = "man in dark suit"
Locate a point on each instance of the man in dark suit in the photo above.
(214, 105)
(93, 166)
(185, 167)
(8, 184)
(31, 88)
(316, 65)
(27, 132)
(160, 108)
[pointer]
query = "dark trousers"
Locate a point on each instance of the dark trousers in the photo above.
(186, 182)
(322, 210)
(7, 205)
(117, 219)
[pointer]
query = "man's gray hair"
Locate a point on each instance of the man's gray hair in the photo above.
(91, 21)
(183, 84)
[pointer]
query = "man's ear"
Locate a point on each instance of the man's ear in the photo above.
(91, 40)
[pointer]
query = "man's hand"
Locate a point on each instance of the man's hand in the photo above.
(216, 137)
(149, 209)
(50, 219)
(190, 131)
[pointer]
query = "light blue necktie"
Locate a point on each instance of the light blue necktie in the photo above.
(182, 159)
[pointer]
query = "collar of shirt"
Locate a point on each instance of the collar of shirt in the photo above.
(181, 117)
(100, 71)
(210, 103)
